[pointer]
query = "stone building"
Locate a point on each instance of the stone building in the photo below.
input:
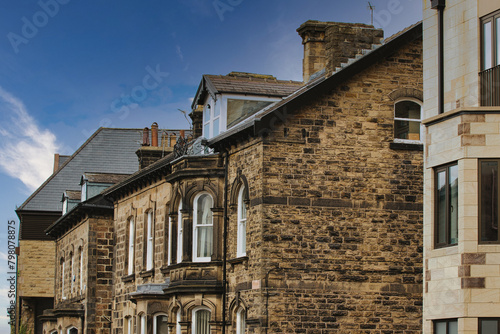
(296, 207)
(462, 124)
(107, 150)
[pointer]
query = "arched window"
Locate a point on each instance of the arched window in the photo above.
(407, 121)
(80, 276)
(142, 324)
(149, 241)
(160, 324)
(63, 269)
(179, 233)
(131, 246)
(201, 318)
(240, 321)
(72, 330)
(129, 325)
(241, 243)
(72, 276)
(203, 228)
(178, 322)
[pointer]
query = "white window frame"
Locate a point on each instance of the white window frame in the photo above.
(63, 269)
(240, 321)
(212, 107)
(143, 324)
(130, 325)
(195, 310)
(196, 227)
(155, 318)
(131, 246)
(72, 277)
(179, 233)
(178, 328)
(421, 133)
(81, 268)
(150, 240)
(241, 249)
(169, 245)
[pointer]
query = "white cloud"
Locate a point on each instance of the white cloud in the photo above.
(26, 151)
(3, 256)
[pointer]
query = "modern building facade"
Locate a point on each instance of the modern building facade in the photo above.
(462, 134)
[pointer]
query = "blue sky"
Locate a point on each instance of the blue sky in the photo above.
(70, 66)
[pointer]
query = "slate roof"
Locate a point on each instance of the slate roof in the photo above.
(264, 119)
(106, 151)
(244, 83)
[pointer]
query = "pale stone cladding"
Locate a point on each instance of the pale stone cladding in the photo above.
(461, 278)
(334, 221)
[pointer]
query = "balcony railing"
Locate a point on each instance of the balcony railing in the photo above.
(490, 86)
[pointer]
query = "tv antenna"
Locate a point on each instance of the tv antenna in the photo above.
(371, 8)
(187, 119)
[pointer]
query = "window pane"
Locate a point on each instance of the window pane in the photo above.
(205, 239)
(440, 328)
(204, 210)
(206, 131)
(489, 326)
(202, 318)
(240, 109)
(497, 24)
(206, 113)
(487, 47)
(407, 130)
(216, 127)
(489, 200)
(453, 193)
(407, 109)
(453, 327)
(161, 324)
(441, 207)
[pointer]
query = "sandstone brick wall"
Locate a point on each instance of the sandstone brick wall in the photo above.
(155, 196)
(36, 268)
(337, 211)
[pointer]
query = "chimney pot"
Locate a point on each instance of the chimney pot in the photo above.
(154, 134)
(145, 137)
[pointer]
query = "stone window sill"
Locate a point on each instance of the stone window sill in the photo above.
(406, 146)
(148, 273)
(128, 278)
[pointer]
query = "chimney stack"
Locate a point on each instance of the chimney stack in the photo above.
(328, 44)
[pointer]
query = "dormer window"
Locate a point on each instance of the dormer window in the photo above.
(211, 119)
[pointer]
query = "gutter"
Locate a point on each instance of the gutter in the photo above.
(439, 5)
(224, 243)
